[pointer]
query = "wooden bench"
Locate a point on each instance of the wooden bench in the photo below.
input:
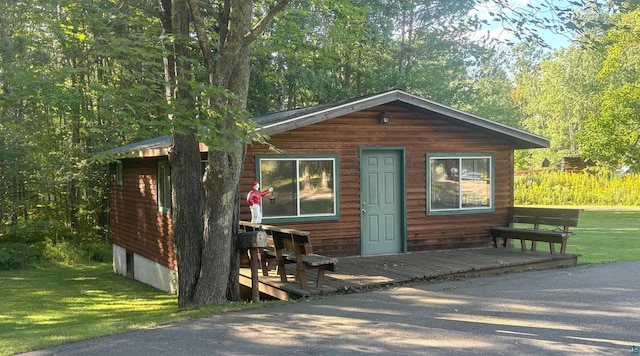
(291, 246)
(555, 223)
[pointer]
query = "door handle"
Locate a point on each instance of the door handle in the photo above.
(364, 210)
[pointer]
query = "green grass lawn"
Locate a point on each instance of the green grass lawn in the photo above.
(606, 236)
(43, 307)
(40, 308)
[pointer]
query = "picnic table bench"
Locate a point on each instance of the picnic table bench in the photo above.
(291, 246)
(556, 223)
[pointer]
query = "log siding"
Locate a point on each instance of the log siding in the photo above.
(418, 135)
(138, 226)
(136, 223)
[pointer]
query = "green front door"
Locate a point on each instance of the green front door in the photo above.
(381, 201)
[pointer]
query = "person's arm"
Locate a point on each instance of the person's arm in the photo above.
(267, 191)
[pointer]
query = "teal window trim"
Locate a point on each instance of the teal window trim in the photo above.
(460, 210)
(301, 157)
(164, 186)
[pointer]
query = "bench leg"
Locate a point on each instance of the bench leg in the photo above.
(552, 248)
(263, 264)
(534, 245)
(504, 241)
(563, 246)
(282, 271)
(320, 281)
(255, 287)
(523, 245)
(302, 275)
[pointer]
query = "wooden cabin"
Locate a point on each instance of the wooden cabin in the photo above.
(383, 174)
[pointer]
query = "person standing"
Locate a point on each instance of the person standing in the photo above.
(254, 198)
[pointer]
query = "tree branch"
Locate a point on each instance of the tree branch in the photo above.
(264, 22)
(203, 37)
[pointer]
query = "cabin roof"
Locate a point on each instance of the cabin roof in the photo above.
(292, 119)
(288, 120)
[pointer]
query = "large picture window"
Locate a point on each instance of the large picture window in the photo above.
(458, 183)
(164, 186)
(305, 187)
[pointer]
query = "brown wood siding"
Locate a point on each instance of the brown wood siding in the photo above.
(136, 223)
(418, 135)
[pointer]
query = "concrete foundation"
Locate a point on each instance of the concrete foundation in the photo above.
(132, 265)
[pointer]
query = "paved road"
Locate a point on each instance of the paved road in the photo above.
(586, 310)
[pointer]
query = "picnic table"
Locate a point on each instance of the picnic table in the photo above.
(290, 246)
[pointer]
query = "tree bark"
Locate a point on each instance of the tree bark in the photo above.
(204, 230)
(184, 155)
(230, 71)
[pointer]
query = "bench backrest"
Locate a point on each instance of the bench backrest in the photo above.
(283, 238)
(544, 216)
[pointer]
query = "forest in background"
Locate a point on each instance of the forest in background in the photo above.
(83, 76)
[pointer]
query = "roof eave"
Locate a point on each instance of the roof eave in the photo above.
(155, 147)
(521, 139)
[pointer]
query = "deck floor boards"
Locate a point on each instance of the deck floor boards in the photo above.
(361, 273)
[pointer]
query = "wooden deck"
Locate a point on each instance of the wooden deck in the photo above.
(362, 273)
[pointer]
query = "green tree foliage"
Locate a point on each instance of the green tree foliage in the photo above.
(587, 98)
(558, 97)
(319, 52)
(78, 77)
(612, 132)
(75, 78)
(489, 91)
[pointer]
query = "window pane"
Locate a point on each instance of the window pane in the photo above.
(281, 176)
(164, 186)
(316, 187)
(475, 183)
(445, 187)
(119, 173)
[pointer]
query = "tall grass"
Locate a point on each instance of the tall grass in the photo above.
(577, 189)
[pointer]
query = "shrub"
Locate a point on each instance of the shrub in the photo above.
(70, 252)
(14, 255)
(27, 231)
(34, 242)
(9, 261)
(98, 252)
(583, 189)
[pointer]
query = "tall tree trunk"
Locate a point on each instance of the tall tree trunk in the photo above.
(184, 155)
(224, 167)
(204, 230)
(239, 84)
(187, 214)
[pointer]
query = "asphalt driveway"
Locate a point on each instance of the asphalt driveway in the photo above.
(582, 310)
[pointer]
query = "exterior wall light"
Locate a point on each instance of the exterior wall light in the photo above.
(384, 117)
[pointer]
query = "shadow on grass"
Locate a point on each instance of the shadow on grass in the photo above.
(46, 307)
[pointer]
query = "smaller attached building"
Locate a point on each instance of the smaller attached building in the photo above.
(383, 174)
